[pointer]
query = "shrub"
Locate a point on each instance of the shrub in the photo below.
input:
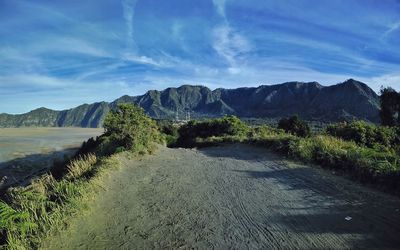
(364, 134)
(226, 126)
(295, 126)
(170, 132)
(264, 131)
(129, 127)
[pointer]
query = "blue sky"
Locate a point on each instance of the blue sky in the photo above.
(60, 54)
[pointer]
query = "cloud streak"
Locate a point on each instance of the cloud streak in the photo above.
(393, 27)
(230, 45)
(128, 7)
(220, 6)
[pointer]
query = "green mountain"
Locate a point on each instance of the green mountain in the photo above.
(345, 101)
(86, 115)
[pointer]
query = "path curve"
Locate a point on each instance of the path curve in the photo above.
(236, 196)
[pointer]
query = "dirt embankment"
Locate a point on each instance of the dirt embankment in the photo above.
(231, 197)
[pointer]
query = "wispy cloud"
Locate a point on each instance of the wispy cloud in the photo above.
(128, 7)
(230, 45)
(220, 6)
(392, 28)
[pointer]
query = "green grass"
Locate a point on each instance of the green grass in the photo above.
(81, 167)
(45, 206)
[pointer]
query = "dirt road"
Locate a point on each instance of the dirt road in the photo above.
(237, 197)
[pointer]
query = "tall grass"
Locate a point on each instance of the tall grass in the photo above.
(46, 205)
(33, 210)
(81, 167)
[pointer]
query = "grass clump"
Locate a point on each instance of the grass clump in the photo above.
(28, 213)
(81, 166)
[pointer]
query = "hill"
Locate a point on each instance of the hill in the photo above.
(344, 101)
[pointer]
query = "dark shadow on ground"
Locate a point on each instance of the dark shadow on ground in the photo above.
(373, 217)
(324, 200)
(20, 171)
(239, 151)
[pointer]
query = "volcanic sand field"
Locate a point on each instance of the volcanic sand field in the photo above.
(26, 151)
(20, 142)
(233, 196)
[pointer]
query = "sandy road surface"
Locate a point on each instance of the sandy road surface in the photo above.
(237, 197)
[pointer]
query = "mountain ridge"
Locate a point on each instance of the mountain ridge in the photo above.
(310, 100)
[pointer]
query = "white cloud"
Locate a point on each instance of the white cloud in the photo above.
(220, 6)
(392, 28)
(387, 80)
(229, 44)
(30, 80)
(128, 7)
(143, 60)
(71, 44)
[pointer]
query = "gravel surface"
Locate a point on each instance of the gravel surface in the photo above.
(235, 196)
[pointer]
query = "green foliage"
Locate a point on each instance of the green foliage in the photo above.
(390, 107)
(225, 126)
(80, 167)
(13, 220)
(32, 211)
(295, 126)
(264, 131)
(170, 132)
(129, 127)
(365, 134)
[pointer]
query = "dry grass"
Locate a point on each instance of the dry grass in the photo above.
(81, 166)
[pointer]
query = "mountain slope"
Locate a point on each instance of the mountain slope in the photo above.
(348, 100)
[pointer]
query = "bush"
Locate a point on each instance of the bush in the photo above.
(295, 126)
(365, 134)
(264, 131)
(129, 127)
(170, 132)
(226, 126)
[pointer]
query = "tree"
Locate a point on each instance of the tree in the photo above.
(390, 107)
(295, 126)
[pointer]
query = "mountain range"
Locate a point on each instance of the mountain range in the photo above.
(310, 100)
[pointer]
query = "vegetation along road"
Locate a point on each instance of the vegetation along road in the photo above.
(233, 196)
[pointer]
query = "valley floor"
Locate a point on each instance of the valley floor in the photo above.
(234, 196)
